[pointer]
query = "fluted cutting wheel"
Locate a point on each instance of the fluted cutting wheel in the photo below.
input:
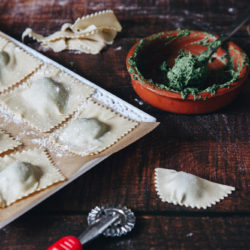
(123, 225)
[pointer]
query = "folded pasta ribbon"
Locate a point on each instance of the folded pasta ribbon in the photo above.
(89, 34)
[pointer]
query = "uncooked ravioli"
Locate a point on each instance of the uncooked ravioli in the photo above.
(94, 129)
(4, 59)
(188, 190)
(7, 142)
(47, 98)
(15, 64)
(83, 132)
(17, 180)
(24, 173)
(46, 94)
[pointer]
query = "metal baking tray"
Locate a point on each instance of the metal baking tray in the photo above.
(103, 96)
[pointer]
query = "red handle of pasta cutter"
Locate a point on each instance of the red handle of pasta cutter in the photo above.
(67, 243)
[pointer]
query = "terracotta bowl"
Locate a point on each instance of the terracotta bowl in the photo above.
(156, 51)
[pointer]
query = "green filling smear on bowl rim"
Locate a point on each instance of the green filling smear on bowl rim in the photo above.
(187, 76)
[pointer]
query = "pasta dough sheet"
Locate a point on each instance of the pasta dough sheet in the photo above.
(7, 142)
(89, 34)
(19, 181)
(188, 190)
(14, 59)
(40, 106)
(114, 128)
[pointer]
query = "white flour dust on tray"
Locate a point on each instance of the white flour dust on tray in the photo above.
(45, 143)
(8, 117)
(38, 139)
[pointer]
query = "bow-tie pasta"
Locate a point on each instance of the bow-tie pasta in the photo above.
(47, 98)
(188, 190)
(95, 129)
(15, 64)
(24, 173)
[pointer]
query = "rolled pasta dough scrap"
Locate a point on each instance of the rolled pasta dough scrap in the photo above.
(7, 142)
(188, 190)
(103, 19)
(89, 34)
(24, 173)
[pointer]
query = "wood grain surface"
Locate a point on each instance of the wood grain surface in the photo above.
(214, 146)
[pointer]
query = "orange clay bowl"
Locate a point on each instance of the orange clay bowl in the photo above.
(157, 51)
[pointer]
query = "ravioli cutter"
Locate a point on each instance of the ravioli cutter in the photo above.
(109, 221)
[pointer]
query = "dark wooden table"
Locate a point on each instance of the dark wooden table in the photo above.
(214, 146)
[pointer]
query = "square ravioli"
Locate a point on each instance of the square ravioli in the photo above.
(15, 64)
(47, 98)
(94, 129)
(6, 142)
(24, 173)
